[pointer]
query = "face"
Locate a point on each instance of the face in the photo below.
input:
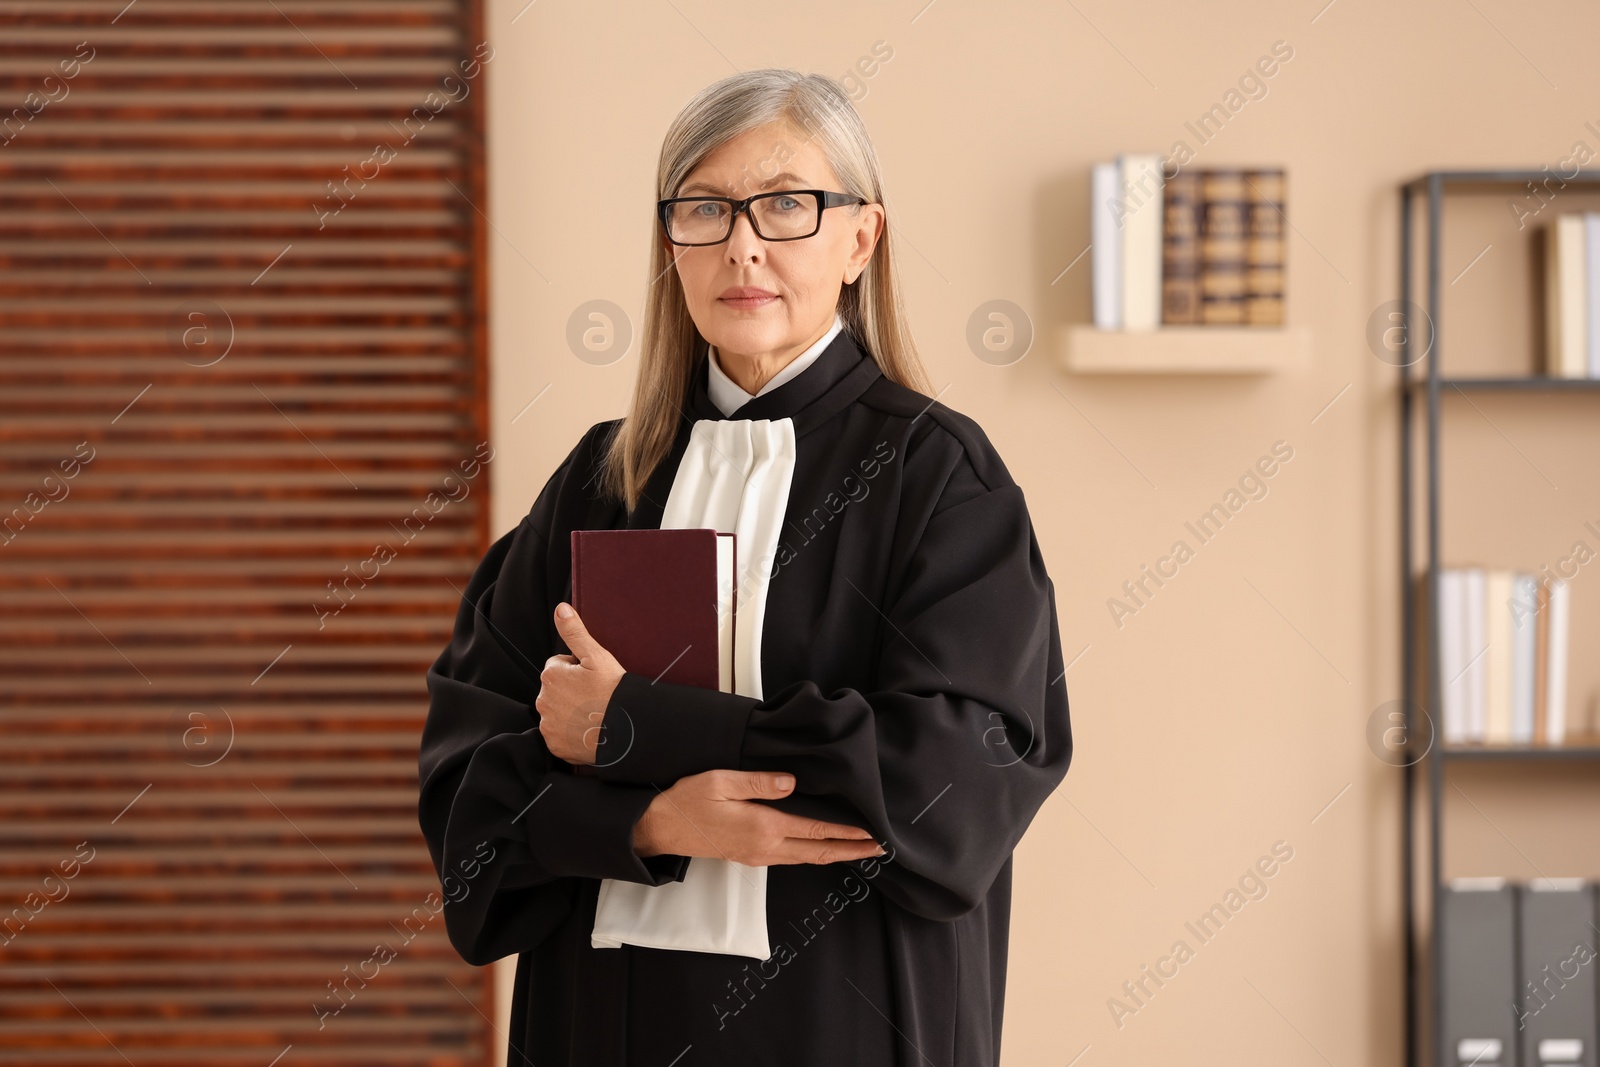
(799, 280)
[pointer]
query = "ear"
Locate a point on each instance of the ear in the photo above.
(869, 229)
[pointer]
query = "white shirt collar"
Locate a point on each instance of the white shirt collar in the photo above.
(729, 396)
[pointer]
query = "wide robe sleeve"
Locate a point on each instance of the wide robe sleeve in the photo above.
(510, 828)
(964, 731)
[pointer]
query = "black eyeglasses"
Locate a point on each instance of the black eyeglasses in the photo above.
(789, 215)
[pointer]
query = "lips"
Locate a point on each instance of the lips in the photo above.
(747, 297)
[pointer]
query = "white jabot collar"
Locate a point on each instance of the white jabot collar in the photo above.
(734, 477)
(729, 396)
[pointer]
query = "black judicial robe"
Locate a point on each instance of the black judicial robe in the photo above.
(914, 686)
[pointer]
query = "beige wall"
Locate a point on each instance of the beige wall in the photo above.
(1229, 712)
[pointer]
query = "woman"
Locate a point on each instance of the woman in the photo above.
(900, 713)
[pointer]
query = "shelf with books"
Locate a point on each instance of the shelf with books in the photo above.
(1513, 712)
(1188, 272)
(1187, 350)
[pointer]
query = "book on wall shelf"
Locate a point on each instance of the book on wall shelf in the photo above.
(1204, 247)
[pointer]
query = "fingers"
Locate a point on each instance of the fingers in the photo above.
(800, 850)
(798, 826)
(547, 674)
(718, 805)
(573, 632)
(803, 840)
(752, 785)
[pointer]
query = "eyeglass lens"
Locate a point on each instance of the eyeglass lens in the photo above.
(776, 217)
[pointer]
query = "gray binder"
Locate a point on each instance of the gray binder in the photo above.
(1556, 989)
(1478, 978)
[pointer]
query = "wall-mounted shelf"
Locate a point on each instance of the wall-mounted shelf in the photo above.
(1187, 350)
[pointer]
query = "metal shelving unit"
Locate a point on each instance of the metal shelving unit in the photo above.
(1429, 388)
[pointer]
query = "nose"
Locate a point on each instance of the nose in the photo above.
(743, 243)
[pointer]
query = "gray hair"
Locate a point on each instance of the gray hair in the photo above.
(670, 346)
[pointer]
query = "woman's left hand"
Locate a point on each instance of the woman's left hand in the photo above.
(574, 691)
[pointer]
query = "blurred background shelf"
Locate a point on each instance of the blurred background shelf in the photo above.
(1575, 748)
(1498, 348)
(1187, 350)
(1536, 383)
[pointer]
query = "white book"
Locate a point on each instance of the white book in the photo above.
(1105, 208)
(1497, 725)
(1476, 651)
(1555, 724)
(1524, 634)
(1141, 225)
(1452, 657)
(1591, 264)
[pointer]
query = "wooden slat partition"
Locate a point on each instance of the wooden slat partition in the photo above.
(243, 479)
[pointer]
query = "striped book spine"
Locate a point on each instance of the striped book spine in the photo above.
(1180, 250)
(1222, 240)
(1264, 248)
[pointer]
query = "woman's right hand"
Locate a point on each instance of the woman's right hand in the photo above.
(714, 815)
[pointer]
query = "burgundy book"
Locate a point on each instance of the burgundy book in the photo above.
(661, 601)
